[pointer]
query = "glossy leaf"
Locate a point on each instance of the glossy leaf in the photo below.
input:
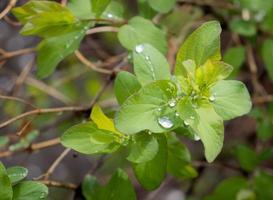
(203, 44)
(141, 31)
(5, 184)
(143, 149)
(151, 174)
(150, 65)
(27, 190)
(16, 174)
(231, 99)
(147, 108)
(126, 84)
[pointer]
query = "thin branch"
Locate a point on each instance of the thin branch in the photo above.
(262, 99)
(8, 8)
(102, 29)
(16, 99)
(219, 4)
(10, 54)
(51, 183)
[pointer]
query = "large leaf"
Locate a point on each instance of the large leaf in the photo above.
(150, 174)
(267, 53)
(44, 18)
(231, 99)
(52, 51)
(228, 189)
(126, 84)
(16, 174)
(5, 184)
(201, 45)
(162, 6)
(149, 64)
(82, 9)
(143, 149)
(140, 31)
(88, 139)
(152, 108)
(27, 190)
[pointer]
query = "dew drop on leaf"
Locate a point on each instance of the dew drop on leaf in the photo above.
(177, 114)
(196, 137)
(172, 103)
(192, 117)
(109, 15)
(165, 122)
(212, 98)
(186, 123)
(139, 48)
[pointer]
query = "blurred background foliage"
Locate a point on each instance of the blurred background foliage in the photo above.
(243, 171)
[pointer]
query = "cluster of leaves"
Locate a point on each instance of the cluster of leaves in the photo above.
(14, 187)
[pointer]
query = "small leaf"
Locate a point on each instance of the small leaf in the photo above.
(114, 11)
(150, 65)
(141, 31)
(263, 185)
(82, 9)
(143, 149)
(201, 45)
(231, 99)
(235, 56)
(150, 174)
(16, 174)
(152, 108)
(5, 184)
(3, 141)
(27, 190)
(98, 6)
(162, 6)
(126, 84)
(267, 53)
(90, 187)
(242, 27)
(52, 51)
(88, 139)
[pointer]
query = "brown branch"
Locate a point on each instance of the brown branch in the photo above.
(262, 99)
(6, 55)
(102, 29)
(51, 183)
(8, 8)
(16, 99)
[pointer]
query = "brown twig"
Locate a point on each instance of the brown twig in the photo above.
(16, 99)
(9, 54)
(8, 8)
(219, 4)
(52, 183)
(102, 29)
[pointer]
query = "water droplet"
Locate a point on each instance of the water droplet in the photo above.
(149, 132)
(159, 109)
(147, 58)
(192, 117)
(196, 137)
(109, 15)
(172, 103)
(165, 122)
(186, 123)
(212, 98)
(76, 37)
(139, 48)
(177, 114)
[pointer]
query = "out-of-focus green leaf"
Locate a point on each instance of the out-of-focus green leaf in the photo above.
(3, 141)
(152, 173)
(242, 27)
(145, 9)
(114, 11)
(5, 184)
(126, 84)
(27, 190)
(149, 64)
(267, 53)
(16, 174)
(235, 56)
(141, 31)
(82, 9)
(98, 6)
(90, 187)
(162, 6)
(263, 185)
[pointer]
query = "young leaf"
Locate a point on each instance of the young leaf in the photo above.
(162, 6)
(114, 11)
(126, 84)
(231, 99)
(141, 31)
(228, 189)
(52, 51)
(267, 53)
(149, 64)
(16, 174)
(152, 108)
(44, 18)
(150, 174)
(88, 139)
(82, 9)
(30, 190)
(118, 188)
(98, 6)
(201, 45)
(143, 149)
(90, 187)
(242, 27)
(5, 184)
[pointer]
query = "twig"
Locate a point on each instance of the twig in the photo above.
(219, 4)
(7, 55)
(262, 99)
(102, 29)
(51, 183)
(16, 99)
(8, 8)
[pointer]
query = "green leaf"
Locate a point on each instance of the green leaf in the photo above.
(150, 174)
(82, 9)
(245, 28)
(235, 56)
(114, 11)
(228, 189)
(179, 159)
(150, 65)
(88, 139)
(210, 129)
(126, 84)
(90, 187)
(98, 6)
(247, 157)
(141, 31)
(27, 190)
(5, 184)
(145, 9)
(52, 51)
(44, 18)
(231, 99)
(152, 108)
(16, 174)
(203, 44)
(246, 194)
(267, 53)
(143, 149)
(162, 6)
(263, 185)
(118, 188)
(4, 140)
